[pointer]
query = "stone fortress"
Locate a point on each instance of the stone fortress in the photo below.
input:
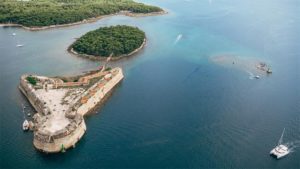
(61, 103)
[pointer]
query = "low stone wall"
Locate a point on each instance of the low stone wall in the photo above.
(67, 141)
(101, 93)
(27, 90)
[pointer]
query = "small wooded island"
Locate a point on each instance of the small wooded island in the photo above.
(43, 14)
(118, 40)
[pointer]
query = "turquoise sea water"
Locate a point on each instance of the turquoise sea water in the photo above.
(175, 108)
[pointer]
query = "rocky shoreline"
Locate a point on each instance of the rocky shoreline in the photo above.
(90, 20)
(101, 58)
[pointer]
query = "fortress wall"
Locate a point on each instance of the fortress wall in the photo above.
(30, 95)
(100, 94)
(68, 141)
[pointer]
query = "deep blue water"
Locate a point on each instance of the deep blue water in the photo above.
(175, 108)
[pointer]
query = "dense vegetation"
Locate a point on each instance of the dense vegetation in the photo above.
(31, 80)
(56, 12)
(104, 41)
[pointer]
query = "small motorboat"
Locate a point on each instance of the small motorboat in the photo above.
(25, 125)
(269, 71)
(20, 45)
(13, 34)
(257, 77)
(280, 150)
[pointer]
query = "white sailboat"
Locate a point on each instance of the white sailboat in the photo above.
(25, 125)
(280, 150)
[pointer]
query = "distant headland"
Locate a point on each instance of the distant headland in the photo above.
(121, 41)
(45, 14)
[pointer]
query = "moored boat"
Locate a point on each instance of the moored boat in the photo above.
(25, 125)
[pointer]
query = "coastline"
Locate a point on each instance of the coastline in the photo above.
(101, 58)
(89, 20)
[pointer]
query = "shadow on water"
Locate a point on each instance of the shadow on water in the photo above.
(192, 73)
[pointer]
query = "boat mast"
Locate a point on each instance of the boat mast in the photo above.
(280, 140)
(23, 110)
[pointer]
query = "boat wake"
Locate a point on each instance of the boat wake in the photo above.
(283, 149)
(178, 39)
(192, 73)
(251, 75)
(292, 145)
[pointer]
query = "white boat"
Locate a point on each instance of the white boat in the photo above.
(14, 34)
(280, 150)
(257, 77)
(25, 125)
(20, 45)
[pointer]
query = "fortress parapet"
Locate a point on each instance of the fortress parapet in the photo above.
(61, 104)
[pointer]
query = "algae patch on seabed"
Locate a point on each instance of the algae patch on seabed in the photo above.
(253, 66)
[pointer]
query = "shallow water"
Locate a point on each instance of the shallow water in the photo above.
(175, 108)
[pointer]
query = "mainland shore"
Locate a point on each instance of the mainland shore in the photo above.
(90, 20)
(101, 58)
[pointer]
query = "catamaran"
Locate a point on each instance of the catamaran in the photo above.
(280, 150)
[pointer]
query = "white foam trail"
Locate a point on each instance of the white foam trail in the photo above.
(178, 39)
(251, 75)
(292, 146)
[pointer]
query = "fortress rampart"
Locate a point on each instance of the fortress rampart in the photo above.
(60, 106)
